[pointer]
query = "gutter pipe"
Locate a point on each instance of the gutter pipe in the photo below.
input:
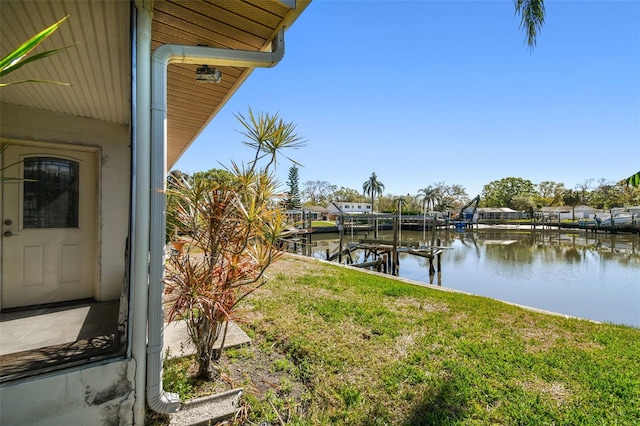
(157, 398)
(140, 206)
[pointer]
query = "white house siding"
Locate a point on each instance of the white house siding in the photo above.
(113, 141)
(494, 213)
(585, 212)
(349, 208)
(100, 395)
(568, 212)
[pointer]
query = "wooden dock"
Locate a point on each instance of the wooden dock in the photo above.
(387, 250)
(625, 229)
(294, 237)
(384, 254)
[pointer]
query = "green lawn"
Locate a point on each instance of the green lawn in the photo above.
(322, 223)
(373, 350)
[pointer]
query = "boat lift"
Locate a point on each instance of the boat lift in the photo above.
(465, 219)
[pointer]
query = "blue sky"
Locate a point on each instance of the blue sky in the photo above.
(447, 91)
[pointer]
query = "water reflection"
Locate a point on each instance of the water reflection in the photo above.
(593, 276)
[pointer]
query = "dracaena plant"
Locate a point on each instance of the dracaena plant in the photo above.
(20, 56)
(235, 228)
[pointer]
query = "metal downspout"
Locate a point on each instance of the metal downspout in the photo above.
(140, 240)
(157, 398)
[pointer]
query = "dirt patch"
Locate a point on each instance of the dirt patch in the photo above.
(556, 391)
(421, 304)
(260, 371)
(265, 375)
(294, 266)
(543, 337)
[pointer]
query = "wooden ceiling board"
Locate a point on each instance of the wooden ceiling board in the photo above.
(185, 103)
(202, 96)
(199, 36)
(227, 35)
(185, 116)
(185, 130)
(99, 63)
(203, 101)
(272, 6)
(250, 11)
(184, 122)
(96, 66)
(238, 25)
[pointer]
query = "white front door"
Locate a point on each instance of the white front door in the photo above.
(49, 224)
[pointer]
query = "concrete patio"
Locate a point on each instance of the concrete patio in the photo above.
(49, 338)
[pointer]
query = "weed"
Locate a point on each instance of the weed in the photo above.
(282, 364)
(241, 353)
(350, 396)
(176, 377)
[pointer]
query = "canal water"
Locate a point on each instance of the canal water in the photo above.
(593, 276)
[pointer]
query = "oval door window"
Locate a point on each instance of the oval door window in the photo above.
(51, 193)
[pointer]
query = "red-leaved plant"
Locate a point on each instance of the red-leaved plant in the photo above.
(235, 229)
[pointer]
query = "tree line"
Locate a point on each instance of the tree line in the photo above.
(512, 192)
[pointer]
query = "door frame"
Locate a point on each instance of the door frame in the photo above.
(64, 149)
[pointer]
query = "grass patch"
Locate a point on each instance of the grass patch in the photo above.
(322, 223)
(370, 347)
(335, 345)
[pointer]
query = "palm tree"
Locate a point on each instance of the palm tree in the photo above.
(428, 196)
(372, 187)
(400, 202)
(532, 18)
